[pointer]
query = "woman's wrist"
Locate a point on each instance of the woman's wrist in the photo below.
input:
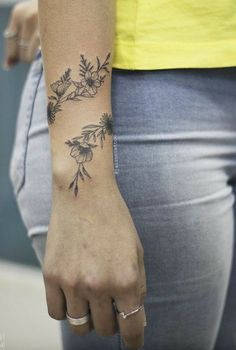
(67, 181)
(92, 201)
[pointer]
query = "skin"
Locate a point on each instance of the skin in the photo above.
(93, 253)
(23, 19)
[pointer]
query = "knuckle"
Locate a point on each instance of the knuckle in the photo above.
(141, 251)
(31, 17)
(46, 274)
(50, 276)
(71, 283)
(93, 285)
(129, 283)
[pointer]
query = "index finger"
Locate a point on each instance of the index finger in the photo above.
(11, 47)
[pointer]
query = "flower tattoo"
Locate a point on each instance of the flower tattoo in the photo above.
(87, 87)
(82, 147)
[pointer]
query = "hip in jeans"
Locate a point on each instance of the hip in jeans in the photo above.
(174, 152)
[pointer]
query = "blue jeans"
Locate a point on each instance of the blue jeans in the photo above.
(175, 162)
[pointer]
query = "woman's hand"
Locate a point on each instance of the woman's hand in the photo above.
(23, 21)
(94, 256)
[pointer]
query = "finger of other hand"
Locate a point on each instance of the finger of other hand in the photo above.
(11, 46)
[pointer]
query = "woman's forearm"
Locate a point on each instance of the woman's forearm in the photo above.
(77, 46)
(93, 252)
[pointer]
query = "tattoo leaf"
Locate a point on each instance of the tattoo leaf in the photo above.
(66, 75)
(76, 189)
(84, 66)
(105, 64)
(71, 184)
(85, 172)
(98, 64)
(81, 175)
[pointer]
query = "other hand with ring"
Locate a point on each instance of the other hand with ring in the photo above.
(22, 39)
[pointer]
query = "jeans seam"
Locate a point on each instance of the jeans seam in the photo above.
(27, 138)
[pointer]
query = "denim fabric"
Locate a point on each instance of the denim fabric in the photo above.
(30, 167)
(175, 163)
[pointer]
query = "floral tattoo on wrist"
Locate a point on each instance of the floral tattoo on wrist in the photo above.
(91, 80)
(82, 147)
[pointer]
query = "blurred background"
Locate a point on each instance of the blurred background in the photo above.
(24, 322)
(12, 231)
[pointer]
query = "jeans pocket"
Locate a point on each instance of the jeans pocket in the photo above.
(23, 122)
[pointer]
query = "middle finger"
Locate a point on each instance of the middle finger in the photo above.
(104, 316)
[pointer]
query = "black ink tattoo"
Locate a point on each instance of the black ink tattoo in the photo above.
(87, 86)
(82, 146)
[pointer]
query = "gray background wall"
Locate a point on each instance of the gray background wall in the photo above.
(14, 244)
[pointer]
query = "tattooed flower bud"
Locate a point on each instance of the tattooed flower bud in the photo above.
(60, 87)
(50, 112)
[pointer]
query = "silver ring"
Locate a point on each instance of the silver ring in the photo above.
(9, 35)
(78, 321)
(125, 315)
(22, 43)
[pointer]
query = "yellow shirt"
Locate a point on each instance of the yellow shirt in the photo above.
(156, 34)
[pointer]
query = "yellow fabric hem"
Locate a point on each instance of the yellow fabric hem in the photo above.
(174, 55)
